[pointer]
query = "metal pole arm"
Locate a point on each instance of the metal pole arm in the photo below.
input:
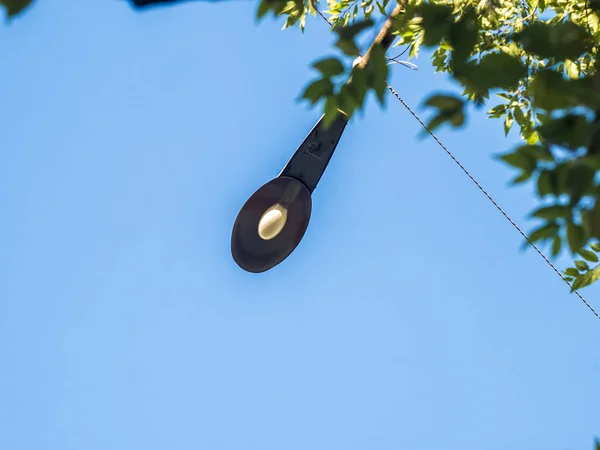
(310, 160)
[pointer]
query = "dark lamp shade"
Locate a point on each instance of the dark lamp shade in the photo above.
(249, 250)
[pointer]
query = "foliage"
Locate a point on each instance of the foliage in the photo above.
(531, 63)
(14, 7)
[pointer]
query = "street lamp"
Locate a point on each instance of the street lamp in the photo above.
(273, 220)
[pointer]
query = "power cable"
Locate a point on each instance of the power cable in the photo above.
(491, 199)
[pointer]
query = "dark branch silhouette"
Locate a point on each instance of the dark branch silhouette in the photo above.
(142, 4)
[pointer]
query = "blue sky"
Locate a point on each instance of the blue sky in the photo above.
(406, 319)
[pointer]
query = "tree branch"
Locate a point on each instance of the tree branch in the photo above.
(385, 38)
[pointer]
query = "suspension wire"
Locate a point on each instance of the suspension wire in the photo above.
(481, 188)
(491, 199)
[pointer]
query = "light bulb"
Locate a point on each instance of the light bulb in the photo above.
(272, 222)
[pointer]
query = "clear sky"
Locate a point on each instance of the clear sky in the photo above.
(407, 318)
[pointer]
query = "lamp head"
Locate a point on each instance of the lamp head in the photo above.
(271, 224)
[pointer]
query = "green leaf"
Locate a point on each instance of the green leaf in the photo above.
(445, 102)
(571, 69)
(457, 119)
(594, 142)
(581, 265)
(331, 110)
(329, 67)
(561, 41)
(519, 116)
(14, 7)
(291, 20)
(463, 36)
(520, 160)
(570, 131)
(556, 246)
(346, 100)
(263, 9)
(585, 280)
(435, 122)
(274, 6)
(588, 255)
(317, 90)
(533, 138)
(576, 284)
(508, 123)
(415, 46)
(436, 22)
(494, 70)
(571, 271)
(591, 219)
(376, 71)
(523, 177)
(595, 246)
(544, 183)
(575, 236)
(351, 31)
(357, 86)
(544, 232)
(579, 180)
(348, 47)
(559, 178)
(552, 91)
(536, 152)
(450, 109)
(511, 49)
(497, 111)
(553, 212)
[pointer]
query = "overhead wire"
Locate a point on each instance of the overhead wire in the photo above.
(482, 189)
